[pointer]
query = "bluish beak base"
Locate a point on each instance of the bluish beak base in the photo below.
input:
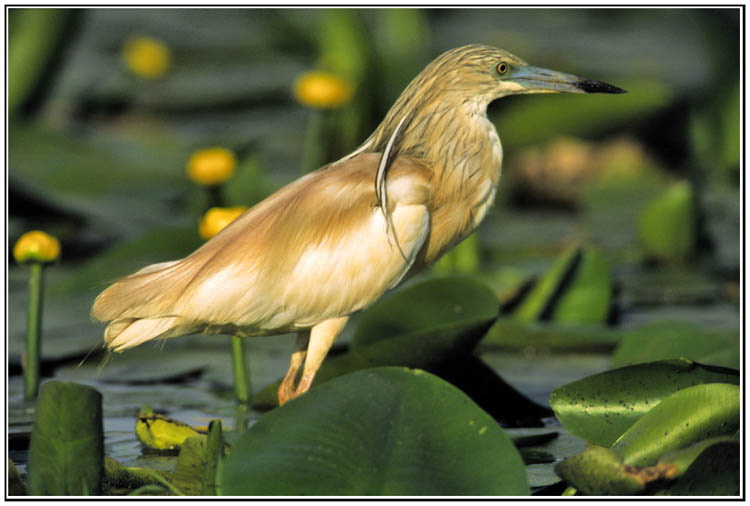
(540, 80)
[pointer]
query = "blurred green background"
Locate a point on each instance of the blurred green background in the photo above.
(649, 180)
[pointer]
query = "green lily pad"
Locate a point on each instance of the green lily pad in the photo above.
(600, 408)
(384, 431)
(685, 417)
(666, 226)
(603, 471)
(666, 340)
(427, 305)
(66, 455)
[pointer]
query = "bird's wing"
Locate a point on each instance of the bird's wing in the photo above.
(316, 249)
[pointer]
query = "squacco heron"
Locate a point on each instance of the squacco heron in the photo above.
(334, 241)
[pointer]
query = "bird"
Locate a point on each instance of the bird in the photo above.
(332, 242)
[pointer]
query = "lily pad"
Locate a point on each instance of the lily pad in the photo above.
(427, 305)
(685, 417)
(668, 340)
(600, 408)
(371, 433)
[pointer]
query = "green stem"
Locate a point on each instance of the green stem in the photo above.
(33, 331)
(241, 375)
(214, 196)
(313, 150)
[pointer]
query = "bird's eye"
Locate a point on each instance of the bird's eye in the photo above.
(502, 67)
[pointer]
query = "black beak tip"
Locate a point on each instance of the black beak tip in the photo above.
(591, 86)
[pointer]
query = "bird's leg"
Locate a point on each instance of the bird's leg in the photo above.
(321, 338)
(286, 389)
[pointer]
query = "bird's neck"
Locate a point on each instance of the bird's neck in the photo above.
(454, 137)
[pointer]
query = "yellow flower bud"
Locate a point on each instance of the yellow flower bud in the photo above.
(146, 57)
(217, 218)
(323, 90)
(211, 166)
(36, 246)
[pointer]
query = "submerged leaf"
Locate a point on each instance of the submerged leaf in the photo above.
(383, 431)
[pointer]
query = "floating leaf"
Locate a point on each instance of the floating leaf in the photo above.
(67, 450)
(667, 340)
(685, 417)
(601, 407)
(384, 431)
(427, 305)
(666, 226)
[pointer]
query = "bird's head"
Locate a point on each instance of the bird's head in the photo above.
(488, 73)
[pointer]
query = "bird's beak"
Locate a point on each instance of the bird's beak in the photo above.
(538, 80)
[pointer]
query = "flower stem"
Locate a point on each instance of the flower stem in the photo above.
(33, 331)
(313, 151)
(241, 375)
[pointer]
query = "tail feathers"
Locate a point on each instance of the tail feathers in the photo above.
(129, 332)
(142, 294)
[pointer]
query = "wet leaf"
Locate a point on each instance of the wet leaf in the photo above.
(666, 226)
(118, 476)
(685, 417)
(602, 407)
(427, 305)
(669, 340)
(67, 450)
(370, 433)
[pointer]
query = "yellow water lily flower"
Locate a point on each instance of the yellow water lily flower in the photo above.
(36, 246)
(211, 166)
(323, 90)
(217, 218)
(146, 57)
